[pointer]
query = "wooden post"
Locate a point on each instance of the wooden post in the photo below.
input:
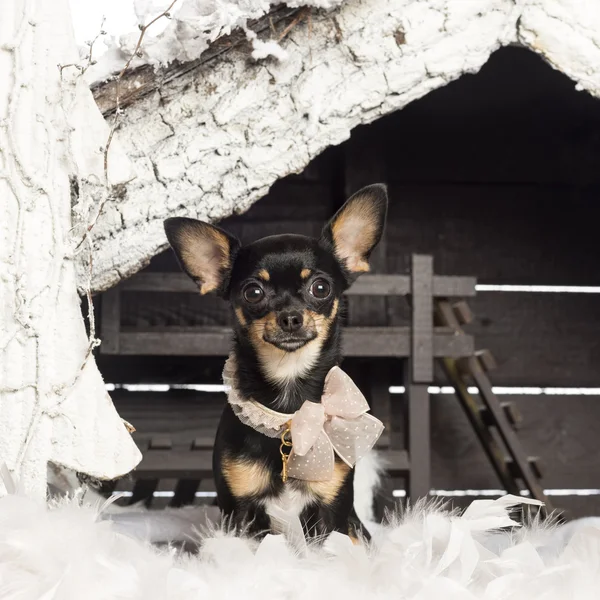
(417, 376)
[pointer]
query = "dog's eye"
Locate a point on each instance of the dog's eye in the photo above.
(320, 289)
(253, 293)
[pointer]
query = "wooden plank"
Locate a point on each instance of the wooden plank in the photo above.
(143, 310)
(186, 464)
(181, 416)
(374, 285)
(357, 341)
(177, 463)
(540, 339)
(422, 319)
(562, 431)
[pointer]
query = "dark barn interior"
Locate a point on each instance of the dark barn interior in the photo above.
(495, 176)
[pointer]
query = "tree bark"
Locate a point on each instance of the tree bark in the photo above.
(208, 139)
(53, 405)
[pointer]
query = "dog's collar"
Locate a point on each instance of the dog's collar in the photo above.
(254, 414)
(338, 424)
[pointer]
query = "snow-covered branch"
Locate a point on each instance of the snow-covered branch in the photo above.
(211, 137)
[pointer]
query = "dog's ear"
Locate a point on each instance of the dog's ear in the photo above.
(205, 252)
(357, 228)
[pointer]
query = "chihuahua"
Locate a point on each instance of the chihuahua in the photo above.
(285, 293)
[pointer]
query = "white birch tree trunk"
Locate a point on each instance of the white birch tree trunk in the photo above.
(53, 405)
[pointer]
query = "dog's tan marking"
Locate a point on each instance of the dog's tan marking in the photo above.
(240, 316)
(354, 233)
(305, 273)
(264, 275)
(205, 253)
(327, 491)
(322, 323)
(244, 477)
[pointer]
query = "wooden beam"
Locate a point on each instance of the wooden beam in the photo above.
(357, 341)
(197, 464)
(366, 285)
(178, 463)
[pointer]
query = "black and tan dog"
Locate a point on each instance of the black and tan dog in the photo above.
(285, 292)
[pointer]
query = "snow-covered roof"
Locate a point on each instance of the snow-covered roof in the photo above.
(212, 138)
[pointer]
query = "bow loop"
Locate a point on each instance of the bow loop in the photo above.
(340, 425)
(341, 396)
(307, 425)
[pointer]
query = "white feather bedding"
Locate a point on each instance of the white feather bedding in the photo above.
(66, 551)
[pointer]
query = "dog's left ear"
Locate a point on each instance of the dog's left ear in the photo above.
(357, 227)
(205, 252)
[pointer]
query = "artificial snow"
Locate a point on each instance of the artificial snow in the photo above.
(66, 551)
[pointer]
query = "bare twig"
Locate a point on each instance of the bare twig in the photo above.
(89, 57)
(305, 12)
(143, 29)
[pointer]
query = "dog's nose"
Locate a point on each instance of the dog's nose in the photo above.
(290, 321)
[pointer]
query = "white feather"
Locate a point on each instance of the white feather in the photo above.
(63, 552)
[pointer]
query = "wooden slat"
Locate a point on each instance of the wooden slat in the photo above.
(177, 463)
(562, 431)
(357, 341)
(197, 464)
(180, 416)
(540, 339)
(373, 285)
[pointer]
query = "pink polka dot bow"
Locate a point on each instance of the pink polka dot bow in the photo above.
(339, 424)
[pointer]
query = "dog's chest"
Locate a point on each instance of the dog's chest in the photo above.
(293, 499)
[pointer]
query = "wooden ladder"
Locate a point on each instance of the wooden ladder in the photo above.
(494, 423)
